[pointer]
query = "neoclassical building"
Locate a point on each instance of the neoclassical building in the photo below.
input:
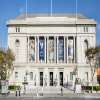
(48, 49)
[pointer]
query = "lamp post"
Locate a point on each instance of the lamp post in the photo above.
(25, 82)
(35, 80)
(75, 73)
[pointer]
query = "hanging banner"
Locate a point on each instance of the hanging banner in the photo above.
(70, 48)
(41, 49)
(32, 49)
(51, 50)
(61, 49)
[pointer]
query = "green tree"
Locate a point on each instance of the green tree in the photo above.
(98, 64)
(91, 55)
(6, 63)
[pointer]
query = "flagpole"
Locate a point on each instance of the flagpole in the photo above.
(26, 8)
(76, 10)
(76, 34)
(51, 8)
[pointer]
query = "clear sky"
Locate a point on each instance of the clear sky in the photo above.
(11, 8)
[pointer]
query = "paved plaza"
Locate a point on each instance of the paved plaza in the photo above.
(54, 97)
(53, 94)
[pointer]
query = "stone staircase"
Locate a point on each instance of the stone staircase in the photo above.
(48, 90)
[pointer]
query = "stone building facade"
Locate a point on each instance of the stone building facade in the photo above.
(48, 49)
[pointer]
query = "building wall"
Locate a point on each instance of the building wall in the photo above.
(23, 66)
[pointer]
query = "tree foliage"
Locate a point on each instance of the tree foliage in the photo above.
(6, 63)
(91, 55)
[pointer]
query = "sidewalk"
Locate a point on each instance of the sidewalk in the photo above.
(72, 95)
(91, 95)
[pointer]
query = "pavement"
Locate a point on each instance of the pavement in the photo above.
(72, 95)
(53, 92)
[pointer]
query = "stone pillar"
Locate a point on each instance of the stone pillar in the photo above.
(45, 48)
(67, 48)
(28, 49)
(57, 49)
(48, 80)
(35, 48)
(58, 79)
(64, 50)
(74, 48)
(37, 78)
(37, 51)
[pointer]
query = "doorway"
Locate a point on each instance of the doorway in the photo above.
(61, 78)
(51, 78)
(41, 78)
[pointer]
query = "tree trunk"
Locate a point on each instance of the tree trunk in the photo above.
(91, 77)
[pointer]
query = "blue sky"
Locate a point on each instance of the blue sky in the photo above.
(11, 8)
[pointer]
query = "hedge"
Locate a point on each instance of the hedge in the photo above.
(89, 88)
(13, 87)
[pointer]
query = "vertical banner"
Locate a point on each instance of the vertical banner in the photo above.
(61, 49)
(70, 49)
(41, 49)
(32, 49)
(51, 49)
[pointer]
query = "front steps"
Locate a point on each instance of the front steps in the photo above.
(46, 90)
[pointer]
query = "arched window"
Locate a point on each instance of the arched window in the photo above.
(85, 45)
(17, 43)
(17, 29)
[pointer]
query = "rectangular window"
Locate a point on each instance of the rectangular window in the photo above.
(86, 75)
(71, 75)
(16, 75)
(31, 75)
(85, 28)
(17, 29)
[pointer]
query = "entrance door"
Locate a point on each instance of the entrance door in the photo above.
(51, 78)
(41, 78)
(61, 78)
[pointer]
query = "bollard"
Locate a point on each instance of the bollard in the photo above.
(16, 93)
(19, 93)
(61, 91)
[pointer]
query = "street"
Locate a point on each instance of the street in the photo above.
(49, 98)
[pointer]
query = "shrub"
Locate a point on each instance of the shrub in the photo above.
(13, 87)
(89, 88)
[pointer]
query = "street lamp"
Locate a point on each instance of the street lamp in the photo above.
(25, 82)
(35, 80)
